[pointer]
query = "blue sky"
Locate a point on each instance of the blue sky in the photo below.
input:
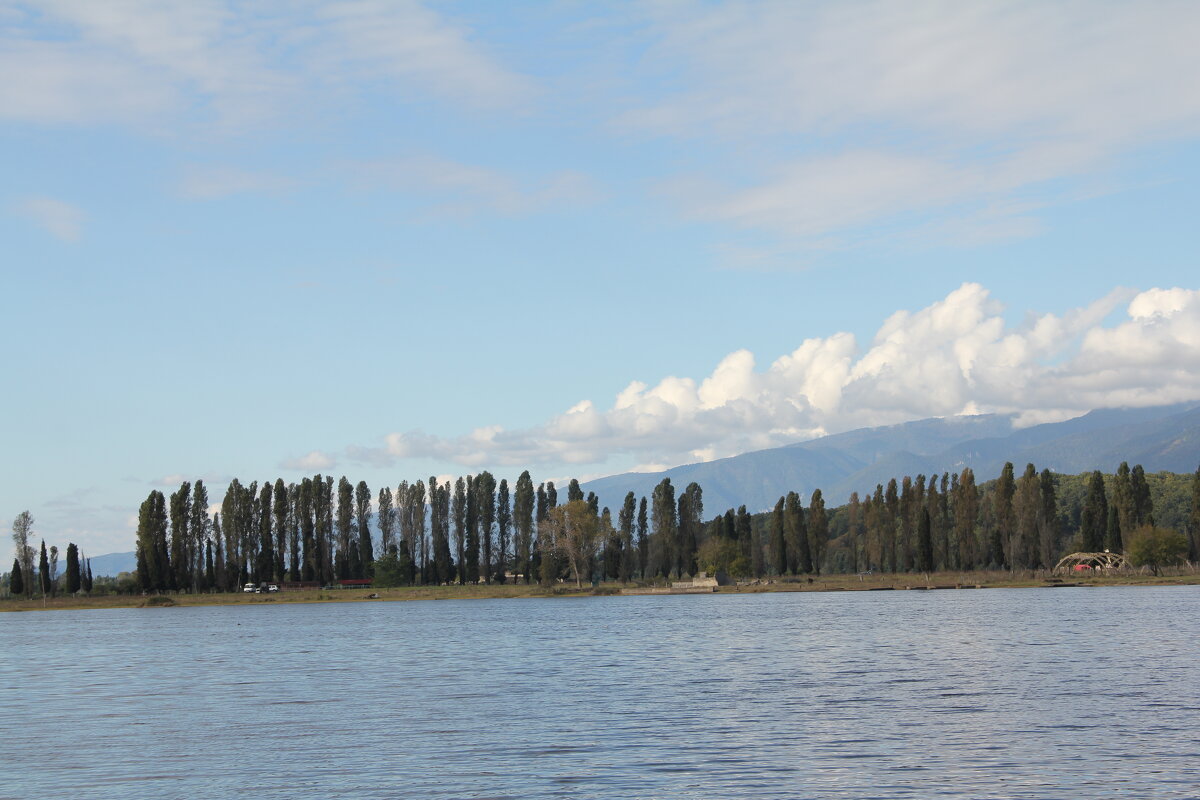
(396, 239)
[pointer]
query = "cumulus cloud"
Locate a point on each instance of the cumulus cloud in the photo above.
(314, 460)
(62, 220)
(956, 356)
(870, 113)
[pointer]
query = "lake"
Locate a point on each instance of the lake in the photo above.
(1025, 693)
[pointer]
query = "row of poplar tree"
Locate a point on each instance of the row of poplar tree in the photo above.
(24, 580)
(477, 530)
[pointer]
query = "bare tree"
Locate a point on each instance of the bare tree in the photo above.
(22, 529)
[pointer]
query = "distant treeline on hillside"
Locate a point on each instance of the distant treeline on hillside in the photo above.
(477, 530)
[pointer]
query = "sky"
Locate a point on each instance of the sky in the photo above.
(390, 240)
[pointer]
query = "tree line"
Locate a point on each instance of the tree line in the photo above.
(478, 530)
(25, 581)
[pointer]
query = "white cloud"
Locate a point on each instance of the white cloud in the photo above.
(314, 460)
(956, 356)
(146, 62)
(853, 114)
(62, 220)
(452, 188)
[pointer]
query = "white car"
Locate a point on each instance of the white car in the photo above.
(272, 588)
(249, 588)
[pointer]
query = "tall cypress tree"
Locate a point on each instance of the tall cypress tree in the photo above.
(16, 582)
(574, 492)
(1048, 529)
(44, 571)
(1143, 504)
(625, 521)
(924, 542)
(73, 578)
(665, 523)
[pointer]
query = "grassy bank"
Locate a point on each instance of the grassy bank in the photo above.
(823, 583)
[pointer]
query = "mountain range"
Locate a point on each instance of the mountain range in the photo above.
(1160, 438)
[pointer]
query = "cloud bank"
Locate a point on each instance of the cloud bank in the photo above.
(956, 356)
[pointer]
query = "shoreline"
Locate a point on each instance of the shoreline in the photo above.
(823, 583)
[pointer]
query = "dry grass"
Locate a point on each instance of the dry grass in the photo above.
(826, 583)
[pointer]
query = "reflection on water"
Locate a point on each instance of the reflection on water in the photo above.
(1088, 693)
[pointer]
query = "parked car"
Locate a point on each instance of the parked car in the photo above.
(249, 588)
(272, 588)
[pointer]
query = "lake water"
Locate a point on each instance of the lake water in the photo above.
(1066, 693)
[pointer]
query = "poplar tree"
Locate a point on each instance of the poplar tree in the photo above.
(778, 541)
(551, 495)
(503, 527)
(691, 512)
(1001, 541)
(485, 489)
(1094, 519)
(387, 519)
(924, 543)
(574, 492)
(472, 525)
(1048, 520)
(966, 516)
(643, 538)
(1026, 554)
(799, 553)
(625, 521)
(441, 534)
(891, 507)
(1194, 520)
(818, 529)
(198, 532)
(280, 512)
(1112, 530)
(362, 520)
(1143, 504)
(345, 527)
(459, 512)
(264, 564)
(1120, 501)
(181, 506)
(665, 524)
(523, 511)
(308, 531)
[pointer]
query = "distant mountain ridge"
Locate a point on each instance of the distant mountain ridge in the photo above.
(113, 564)
(1159, 438)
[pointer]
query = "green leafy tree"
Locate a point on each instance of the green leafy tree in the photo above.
(281, 517)
(643, 538)
(1026, 505)
(1143, 503)
(198, 533)
(665, 526)
(264, 564)
(691, 514)
(1157, 548)
(472, 524)
(22, 533)
(308, 531)
(966, 518)
(574, 492)
(1194, 519)
(572, 535)
(362, 522)
(459, 512)
(1003, 519)
(503, 529)
(485, 490)
(818, 529)
(523, 511)
(1094, 520)
(180, 511)
(387, 520)
(626, 519)
(345, 528)
(1048, 526)
(778, 539)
